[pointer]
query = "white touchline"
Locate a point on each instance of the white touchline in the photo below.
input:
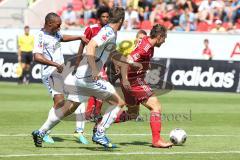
(123, 134)
(119, 154)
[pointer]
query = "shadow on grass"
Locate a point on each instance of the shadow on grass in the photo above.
(136, 143)
(58, 139)
(96, 148)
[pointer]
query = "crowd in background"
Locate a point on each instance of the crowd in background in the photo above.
(176, 15)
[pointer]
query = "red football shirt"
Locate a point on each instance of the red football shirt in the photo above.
(207, 51)
(92, 31)
(143, 54)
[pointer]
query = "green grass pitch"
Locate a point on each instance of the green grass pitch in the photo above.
(211, 120)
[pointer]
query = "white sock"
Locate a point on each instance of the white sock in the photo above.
(54, 117)
(80, 117)
(108, 118)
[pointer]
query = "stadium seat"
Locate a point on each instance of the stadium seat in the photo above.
(81, 22)
(238, 23)
(167, 24)
(146, 25)
(202, 27)
(225, 25)
(91, 21)
(77, 5)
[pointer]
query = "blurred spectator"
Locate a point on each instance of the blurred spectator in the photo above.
(187, 21)
(207, 53)
(158, 13)
(69, 17)
(145, 8)
(234, 12)
(131, 19)
(133, 3)
(110, 3)
(120, 3)
(88, 9)
(207, 9)
(170, 13)
(176, 17)
(218, 28)
(191, 5)
(232, 29)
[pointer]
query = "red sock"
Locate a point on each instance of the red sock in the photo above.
(121, 117)
(155, 123)
(94, 107)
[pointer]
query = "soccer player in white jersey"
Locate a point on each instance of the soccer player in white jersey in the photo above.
(47, 51)
(88, 81)
(88, 78)
(81, 115)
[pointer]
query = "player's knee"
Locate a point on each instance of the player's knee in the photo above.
(116, 100)
(121, 103)
(73, 106)
(58, 101)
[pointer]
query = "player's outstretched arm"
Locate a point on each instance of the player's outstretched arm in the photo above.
(91, 51)
(79, 56)
(38, 57)
(68, 38)
(123, 66)
(122, 59)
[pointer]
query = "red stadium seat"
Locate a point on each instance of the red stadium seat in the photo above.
(146, 25)
(91, 21)
(81, 21)
(225, 25)
(77, 5)
(238, 23)
(168, 24)
(202, 27)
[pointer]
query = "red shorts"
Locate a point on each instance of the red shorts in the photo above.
(139, 92)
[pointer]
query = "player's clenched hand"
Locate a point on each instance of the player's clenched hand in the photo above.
(95, 75)
(59, 68)
(126, 84)
(84, 39)
(117, 69)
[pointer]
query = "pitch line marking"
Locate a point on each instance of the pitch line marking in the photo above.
(118, 154)
(119, 134)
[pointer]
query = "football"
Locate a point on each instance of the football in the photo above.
(178, 136)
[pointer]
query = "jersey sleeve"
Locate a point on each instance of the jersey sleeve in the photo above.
(141, 51)
(104, 36)
(59, 36)
(38, 43)
(88, 33)
(136, 55)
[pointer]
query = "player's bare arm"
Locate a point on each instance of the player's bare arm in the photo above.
(91, 51)
(38, 57)
(68, 38)
(122, 59)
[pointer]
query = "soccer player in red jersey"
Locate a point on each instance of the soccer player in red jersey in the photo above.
(138, 89)
(207, 53)
(94, 104)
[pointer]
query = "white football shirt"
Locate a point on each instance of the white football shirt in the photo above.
(106, 43)
(50, 47)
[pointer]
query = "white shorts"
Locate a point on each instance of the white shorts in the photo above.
(54, 83)
(100, 89)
